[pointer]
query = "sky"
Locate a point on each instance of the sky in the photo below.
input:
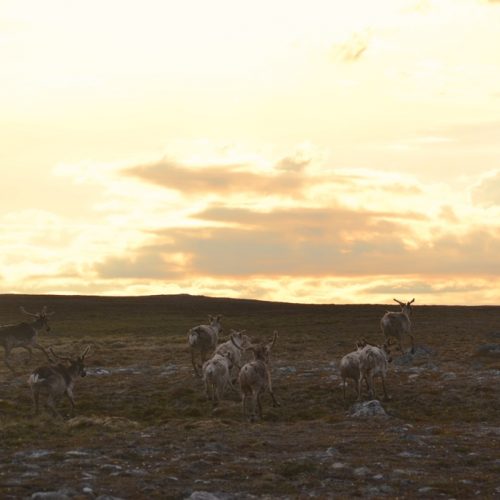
(317, 151)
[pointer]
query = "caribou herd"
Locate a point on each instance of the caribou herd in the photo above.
(219, 365)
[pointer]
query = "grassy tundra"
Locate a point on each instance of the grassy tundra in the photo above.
(144, 428)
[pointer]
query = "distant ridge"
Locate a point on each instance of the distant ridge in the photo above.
(189, 299)
(166, 297)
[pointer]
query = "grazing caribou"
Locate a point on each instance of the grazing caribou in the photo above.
(24, 335)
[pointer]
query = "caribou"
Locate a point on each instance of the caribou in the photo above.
(203, 339)
(398, 324)
(57, 380)
(255, 377)
(374, 361)
(216, 376)
(24, 335)
(349, 368)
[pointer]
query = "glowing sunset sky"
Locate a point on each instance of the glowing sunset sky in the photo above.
(309, 151)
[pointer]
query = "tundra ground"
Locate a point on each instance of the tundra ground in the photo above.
(144, 428)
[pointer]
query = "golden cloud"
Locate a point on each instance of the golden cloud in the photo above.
(222, 179)
(353, 48)
(305, 242)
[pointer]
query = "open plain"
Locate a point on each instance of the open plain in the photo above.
(144, 429)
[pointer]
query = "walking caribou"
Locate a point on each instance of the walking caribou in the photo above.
(25, 335)
(55, 381)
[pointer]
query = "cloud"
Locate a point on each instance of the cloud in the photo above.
(145, 265)
(353, 48)
(418, 287)
(474, 134)
(448, 214)
(281, 230)
(222, 179)
(279, 242)
(319, 234)
(293, 180)
(486, 193)
(420, 6)
(289, 164)
(303, 243)
(299, 219)
(290, 242)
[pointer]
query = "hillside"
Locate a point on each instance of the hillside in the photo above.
(145, 430)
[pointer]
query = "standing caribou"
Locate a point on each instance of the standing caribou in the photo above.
(24, 335)
(349, 368)
(204, 339)
(398, 324)
(255, 377)
(233, 347)
(55, 381)
(373, 361)
(216, 376)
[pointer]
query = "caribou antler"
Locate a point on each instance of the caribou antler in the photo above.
(275, 336)
(45, 312)
(62, 358)
(24, 311)
(87, 349)
(42, 313)
(236, 345)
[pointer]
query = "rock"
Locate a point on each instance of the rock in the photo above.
(332, 451)
(63, 494)
(338, 465)
(287, 369)
(403, 472)
(98, 372)
(118, 344)
(403, 360)
(202, 495)
(32, 454)
(409, 454)
(77, 454)
(488, 350)
(168, 369)
(408, 357)
(361, 471)
(371, 408)
(425, 489)
(377, 490)
(385, 488)
(423, 350)
(109, 422)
